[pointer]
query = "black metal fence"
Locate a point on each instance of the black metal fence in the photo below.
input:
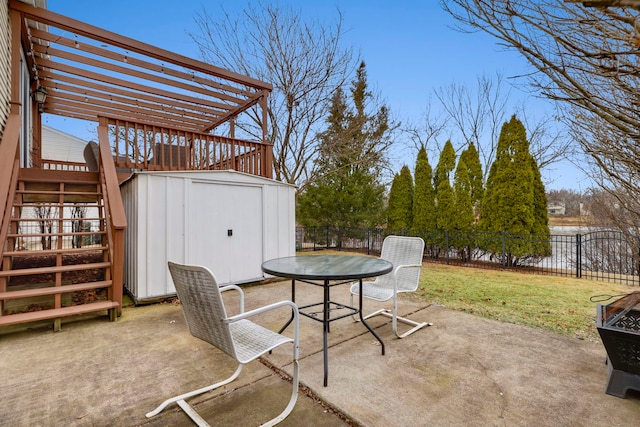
(600, 254)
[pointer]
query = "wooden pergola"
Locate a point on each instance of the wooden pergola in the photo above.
(154, 110)
(89, 73)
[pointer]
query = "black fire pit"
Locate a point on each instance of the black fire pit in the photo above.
(619, 327)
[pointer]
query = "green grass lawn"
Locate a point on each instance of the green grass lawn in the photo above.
(557, 304)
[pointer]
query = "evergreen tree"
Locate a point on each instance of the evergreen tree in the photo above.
(508, 201)
(445, 199)
(463, 224)
(424, 206)
(445, 206)
(471, 158)
(509, 204)
(399, 210)
(348, 192)
(541, 218)
(445, 165)
(462, 187)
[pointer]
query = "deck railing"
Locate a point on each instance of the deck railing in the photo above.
(115, 216)
(61, 165)
(155, 148)
(9, 166)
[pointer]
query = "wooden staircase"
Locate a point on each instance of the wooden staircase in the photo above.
(57, 258)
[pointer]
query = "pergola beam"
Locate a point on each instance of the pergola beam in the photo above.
(89, 72)
(77, 27)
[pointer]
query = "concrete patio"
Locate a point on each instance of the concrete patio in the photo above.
(464, 370)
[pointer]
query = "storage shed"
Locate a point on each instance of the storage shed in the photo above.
(228, 221)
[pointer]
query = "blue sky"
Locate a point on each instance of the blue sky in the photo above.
(410, 50)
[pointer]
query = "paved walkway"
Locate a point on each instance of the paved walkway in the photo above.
(464, 370)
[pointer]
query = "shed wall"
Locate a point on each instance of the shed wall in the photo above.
(227, 221)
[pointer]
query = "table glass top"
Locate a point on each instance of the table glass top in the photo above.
(330, 267)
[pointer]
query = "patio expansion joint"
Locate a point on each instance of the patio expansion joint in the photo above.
(308, 392)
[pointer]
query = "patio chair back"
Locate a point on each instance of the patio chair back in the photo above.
(401, 250)
(236, 336)
(202, 305)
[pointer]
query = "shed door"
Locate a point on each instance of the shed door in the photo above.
(225, 230)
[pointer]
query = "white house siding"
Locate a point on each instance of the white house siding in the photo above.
(5, 64)
(228, 221)
(58, 145)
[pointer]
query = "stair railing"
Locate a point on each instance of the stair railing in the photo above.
(116, 221)
(9, 167)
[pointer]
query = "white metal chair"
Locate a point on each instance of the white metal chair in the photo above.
(405, 253)
(241, 339)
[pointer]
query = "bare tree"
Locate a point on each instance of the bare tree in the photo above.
(78, 213)
(428, 132)
(304, 61)
(45, 213)
(476, 114)
(586, 58)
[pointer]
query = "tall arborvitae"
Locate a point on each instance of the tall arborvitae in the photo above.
(464, 217)
(541, 218)
(446, 164)
(509, 203)
(445, 206)
(471, 158)
(463, 224)
(400, 201)
(424, 206)
(445, 199)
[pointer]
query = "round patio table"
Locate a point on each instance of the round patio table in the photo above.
(328, 271)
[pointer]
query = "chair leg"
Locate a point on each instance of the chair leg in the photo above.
(191, 413)
(200, 422)
(180, 400)
(395, 318)
(416, 325)
(292, 402)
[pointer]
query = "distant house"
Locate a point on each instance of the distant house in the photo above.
(58, 145)
(555, 209)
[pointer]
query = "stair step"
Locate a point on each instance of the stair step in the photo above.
(75, 233)
(63, 251)
(57, 219)
(55, 269)
(52, 290)
(14, 319)
(29, 175)
(57, 192)
(93, 203)
(30, 198)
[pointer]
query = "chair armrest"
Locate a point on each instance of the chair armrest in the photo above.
(264, 309)
(235, 288)
(295, 314)
(395, 270)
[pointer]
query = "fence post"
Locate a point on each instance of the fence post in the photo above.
(368, 241)
(446, 245)
(579, 255)
(315, 237)
(504, 249)
(327, 233)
